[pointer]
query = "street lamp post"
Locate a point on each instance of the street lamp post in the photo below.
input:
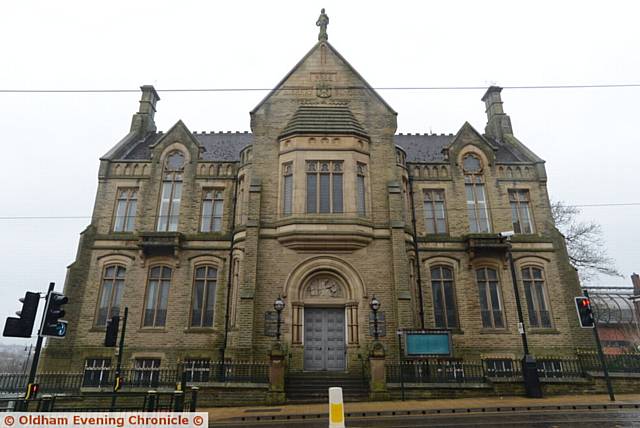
(375, 306)
(278, 305)
(529, 365)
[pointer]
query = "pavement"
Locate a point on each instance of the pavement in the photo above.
(430, 406)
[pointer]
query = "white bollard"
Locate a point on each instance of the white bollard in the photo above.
(336, 408)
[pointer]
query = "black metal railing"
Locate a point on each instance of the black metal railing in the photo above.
(435, 371)
(139, 378)
(620, 363)
(106, 402)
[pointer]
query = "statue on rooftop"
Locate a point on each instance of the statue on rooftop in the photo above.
(322, 22)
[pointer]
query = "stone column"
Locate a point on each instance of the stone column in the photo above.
(276, 374)
(377, 378)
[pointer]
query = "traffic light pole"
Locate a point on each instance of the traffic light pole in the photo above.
(601, 353)
(117, 382)
(529, 365)
(36, 353)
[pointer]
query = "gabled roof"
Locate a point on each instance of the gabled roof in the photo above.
(304, 58)
(218, 146)
(323, 119)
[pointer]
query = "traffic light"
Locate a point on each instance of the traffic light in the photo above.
(111, 336)
(585, 314)
(23, 326)
(52, 325)
(118, 383)
(32, 391)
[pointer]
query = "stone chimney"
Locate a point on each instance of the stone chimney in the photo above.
(498, 123)
(635, 280)
(142, 122)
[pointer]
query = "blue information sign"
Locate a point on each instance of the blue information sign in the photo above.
(436, 343)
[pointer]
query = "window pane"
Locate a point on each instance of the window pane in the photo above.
(198, 297)
(211, 301)
(206, 216)
(324, 193)
(429, 217)
(441, 225)
(337, 193)
(312, 192)
(533, 317)
(131, 216)
(118, 225)
(288, 194)
(438, 307)
(525, 218)
(450, 301)
(150, 303)
(117, 297)
(360, 197)
(161, 315)
(103, 308)
(514, 218)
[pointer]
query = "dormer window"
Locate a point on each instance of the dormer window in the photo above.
(171, 192)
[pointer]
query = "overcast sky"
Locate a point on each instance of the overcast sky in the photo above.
(51, 142)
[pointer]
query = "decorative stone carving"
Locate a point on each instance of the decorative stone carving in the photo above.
(322, 22)
(323, 287)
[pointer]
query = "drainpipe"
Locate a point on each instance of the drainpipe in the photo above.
(415, 248)
(230, 273)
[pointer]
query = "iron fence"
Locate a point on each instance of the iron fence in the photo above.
(435, 371)
(465, 371)
(106, 402)
(620, 363)
(139, 378)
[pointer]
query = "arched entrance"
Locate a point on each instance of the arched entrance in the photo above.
(324, 294)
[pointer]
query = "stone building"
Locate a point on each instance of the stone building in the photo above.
(326, 206)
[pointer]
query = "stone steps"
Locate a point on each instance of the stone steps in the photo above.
(314, 387)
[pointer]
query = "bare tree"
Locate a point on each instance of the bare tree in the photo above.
(585, 243)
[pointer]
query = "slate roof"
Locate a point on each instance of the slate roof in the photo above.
(226, 146)
(218, 146)
(310, 119)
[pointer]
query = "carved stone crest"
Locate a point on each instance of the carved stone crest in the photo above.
(323, 287)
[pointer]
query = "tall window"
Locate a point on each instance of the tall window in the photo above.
(125, 213)
(324, 186)
(476, 198)
(204, 296)
(490, 302)
(96, 372)
(520, 213)
(110, 293)
(444, 299)
(212, 207)
(155, 307)
(361, 171)
(537, 303)
(287, 188)
(435, 216)
(171, 192)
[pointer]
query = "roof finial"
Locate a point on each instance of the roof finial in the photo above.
(322, 22)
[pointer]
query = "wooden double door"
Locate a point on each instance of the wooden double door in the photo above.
(324, 339)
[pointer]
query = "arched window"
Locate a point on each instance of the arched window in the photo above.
(477, 206)
(111, 291)
(171, 192)
(157, 296)
(537, 301)
(444, 298)
(204, 296)
(490, 299)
